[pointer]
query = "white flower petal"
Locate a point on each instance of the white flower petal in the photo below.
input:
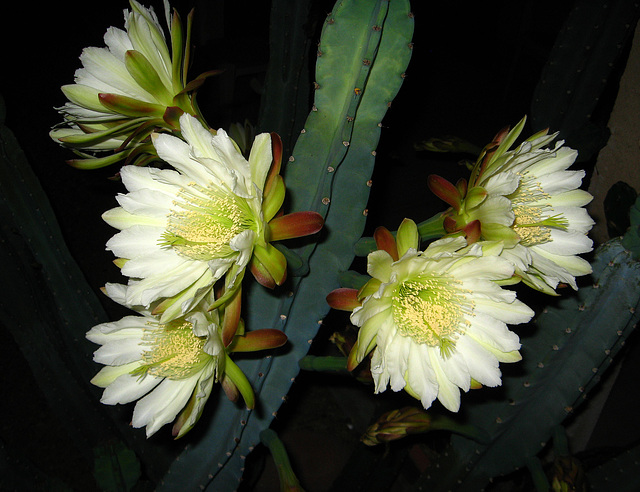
(488, 331)
(158, 261)
(515, 312)
(162, 405)
(135, 241)
(108, 374)
(421, 376)
(178, 154)
(128, 388)
(483, 365)
(260, 159)
(503, 183)
(379, 265)
(566, 243)
(166, 284)
(119, 351)
(561, 181)
(119, 218)
(448, 393)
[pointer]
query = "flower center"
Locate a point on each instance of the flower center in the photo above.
(210, 218)
(431, 309)
(530, 223)
(174, 351)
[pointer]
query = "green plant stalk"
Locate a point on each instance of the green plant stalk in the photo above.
(365, 45)
(288, 480)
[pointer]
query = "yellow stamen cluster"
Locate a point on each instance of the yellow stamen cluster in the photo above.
(431, 310)
(530, 224)
(209, 218)
(174, 351)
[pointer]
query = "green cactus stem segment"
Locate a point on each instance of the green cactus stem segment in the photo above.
(174, 352)
(207, 223)
(431, 310)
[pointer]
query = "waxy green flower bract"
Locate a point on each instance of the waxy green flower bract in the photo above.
(434, 319)
(128, 89)
(527, 198)
(211, 216)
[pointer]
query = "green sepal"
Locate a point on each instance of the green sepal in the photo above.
(241, 382)
(129, 106)
(407, 237)
(273, 198)
(475, 196)
(145, 74)
(273, 261)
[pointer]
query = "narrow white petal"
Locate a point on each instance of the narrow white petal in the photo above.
(564, 157)
(108, 374)
(164, 284)
(421, 376)
(198, 137)
(118, 42)
(448, 393)
(119, 351)
(573, 198)
(503, 183)
(396, 355)
(159, 261)
(128, 388)
(483, 268)
(147, 203)
(162, 405)
(177, 153)
(379, 265)
(573, 264)
(515, 312)
(119, 218)
(487, 330)
(260, 159)
(495, 210)
(455, 369)
(561, 181)
(229, 155)
(105, 67)
(167, 181)
(483, 366)
(444, 247)
(135, 241)
(566, 243)
(579, 219)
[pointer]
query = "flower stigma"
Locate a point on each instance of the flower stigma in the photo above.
(207, 223)
(431, 310)
(174, 351)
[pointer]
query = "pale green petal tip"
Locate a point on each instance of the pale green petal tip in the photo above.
(260, 159)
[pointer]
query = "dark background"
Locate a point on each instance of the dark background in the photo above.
(474, 70)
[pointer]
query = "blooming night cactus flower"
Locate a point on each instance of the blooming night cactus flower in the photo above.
(434, 319)
(170, 368)
(127, 90)
(211, 216)
(529, 199)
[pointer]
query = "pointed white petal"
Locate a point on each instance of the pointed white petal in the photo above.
(260, 159)
(135, 241)
(128, 388)
(163, 404)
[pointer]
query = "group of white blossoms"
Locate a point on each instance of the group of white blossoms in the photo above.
(436, 320)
